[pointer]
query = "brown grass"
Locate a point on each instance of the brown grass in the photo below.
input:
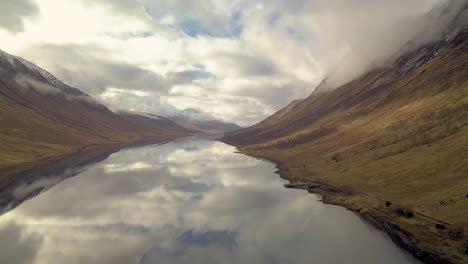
(36, 127)
(404, 142)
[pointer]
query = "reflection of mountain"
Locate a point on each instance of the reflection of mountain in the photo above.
(185, 145)
(397, 133)
(32, 182)
(161, 204)
(198, 120)
(42, 117)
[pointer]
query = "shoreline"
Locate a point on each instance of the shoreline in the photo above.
(35, 177)
(373, 211)
(12, 174)
(413, 235)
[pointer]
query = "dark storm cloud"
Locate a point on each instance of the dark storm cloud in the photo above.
(13, 12)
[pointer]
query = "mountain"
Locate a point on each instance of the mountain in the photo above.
(392, 141)
(42, 118)
(199, 120)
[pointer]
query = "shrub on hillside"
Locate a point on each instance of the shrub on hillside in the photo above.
(336, 157)
(456, 234)
(409, 214)
(405, 212)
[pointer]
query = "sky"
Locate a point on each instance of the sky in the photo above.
(236, 60)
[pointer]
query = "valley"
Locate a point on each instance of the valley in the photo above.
(143, 164)
(387, 142)
(43, 119)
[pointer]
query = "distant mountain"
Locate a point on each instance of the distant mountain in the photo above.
(190, 114)
(42, 117)
(199, 120)
(395, 137)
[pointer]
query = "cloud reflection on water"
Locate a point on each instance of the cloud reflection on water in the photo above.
(187, 202)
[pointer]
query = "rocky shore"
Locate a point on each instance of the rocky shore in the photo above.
(416, 233)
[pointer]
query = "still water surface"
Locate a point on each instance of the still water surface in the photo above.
(188, 201)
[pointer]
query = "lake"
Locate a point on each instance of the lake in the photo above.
(186, 201)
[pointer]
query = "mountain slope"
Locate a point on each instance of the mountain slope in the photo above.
(42, 117)
(395, 134)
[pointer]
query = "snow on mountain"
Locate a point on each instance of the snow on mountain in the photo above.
(5, 57)
(22, 66)
(191, 114)
(202, 120)
(18, 63)
(47, 75)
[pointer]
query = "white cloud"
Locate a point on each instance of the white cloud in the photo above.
(237, 60)
(15, 13)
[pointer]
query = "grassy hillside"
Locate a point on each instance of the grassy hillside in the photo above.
(40, 120)
(396, 134)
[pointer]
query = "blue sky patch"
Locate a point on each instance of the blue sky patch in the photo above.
(199, 75)
(194, 28)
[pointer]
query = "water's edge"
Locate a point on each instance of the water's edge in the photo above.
(331, 195)
(62, 168)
